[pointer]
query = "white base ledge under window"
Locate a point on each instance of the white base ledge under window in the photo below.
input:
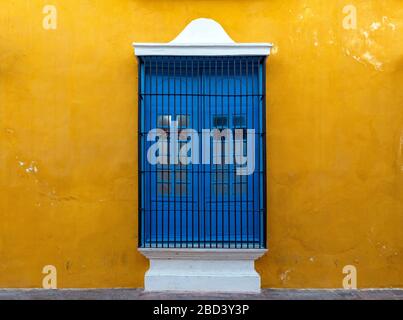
(202, 270)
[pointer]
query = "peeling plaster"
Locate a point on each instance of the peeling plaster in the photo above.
(9, 131)
(372, 60)
(32, 167)
(389, 24)
(361, 46)
(315, 38)
(284, 277)
(375, 26)
(366, 57)
(274, 50)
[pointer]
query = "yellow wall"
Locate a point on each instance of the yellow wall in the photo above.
(68, 137)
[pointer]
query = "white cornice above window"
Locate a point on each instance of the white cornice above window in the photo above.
(202, 37)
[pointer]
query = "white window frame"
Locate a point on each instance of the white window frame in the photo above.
(202, 270)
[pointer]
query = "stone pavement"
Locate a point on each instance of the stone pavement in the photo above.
(139, 294)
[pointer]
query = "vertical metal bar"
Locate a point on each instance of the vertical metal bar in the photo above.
(178, 167)
(140, 211)
(235, 101)
(201, 106)
(222, 110)
(249, 106)
(206, 89)
(246, 107)
(172, 166)
(195, 111)
(265, 156)
(247, 116)
(227, 166)
(240, 178)
(241, 78)
(144, 125)
(147, 211)
(254, 174)
(211, 75)
(212, 154)
(186, 167)
(148, 164)
(161, 95)
(204, 171)
(152, 171)
(183, 196)
(165, 97)
(259, 151)
(261, 155)
(170, 174)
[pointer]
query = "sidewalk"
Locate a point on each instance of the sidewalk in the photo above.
(139, 294)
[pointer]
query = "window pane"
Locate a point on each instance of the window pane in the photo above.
(183, 121)
(220, 122)
(181, 176)
(219, 176)
(180, 189)
(163, 176)
(164, 121)
(164, 188)
(239, 121)
(219, 189)
(241, 134)
(240, 178)
(240, 188)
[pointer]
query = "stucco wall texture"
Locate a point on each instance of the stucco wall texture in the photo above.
(68, 138)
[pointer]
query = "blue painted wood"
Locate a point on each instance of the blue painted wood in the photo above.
(213, 92)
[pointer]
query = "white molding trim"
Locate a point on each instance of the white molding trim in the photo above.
(202, 270)
(202, 37)
(202, 254)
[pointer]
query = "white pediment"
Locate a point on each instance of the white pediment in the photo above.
(203, 30)
(202, 37)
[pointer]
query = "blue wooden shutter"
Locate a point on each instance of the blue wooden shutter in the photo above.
(196, 205)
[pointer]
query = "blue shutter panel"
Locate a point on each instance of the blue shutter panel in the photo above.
(200, 205)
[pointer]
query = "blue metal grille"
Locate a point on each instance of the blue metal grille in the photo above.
(202, 205)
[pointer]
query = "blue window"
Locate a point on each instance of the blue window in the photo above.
(205, 203)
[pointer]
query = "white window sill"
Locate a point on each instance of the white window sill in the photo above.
(202, 270)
